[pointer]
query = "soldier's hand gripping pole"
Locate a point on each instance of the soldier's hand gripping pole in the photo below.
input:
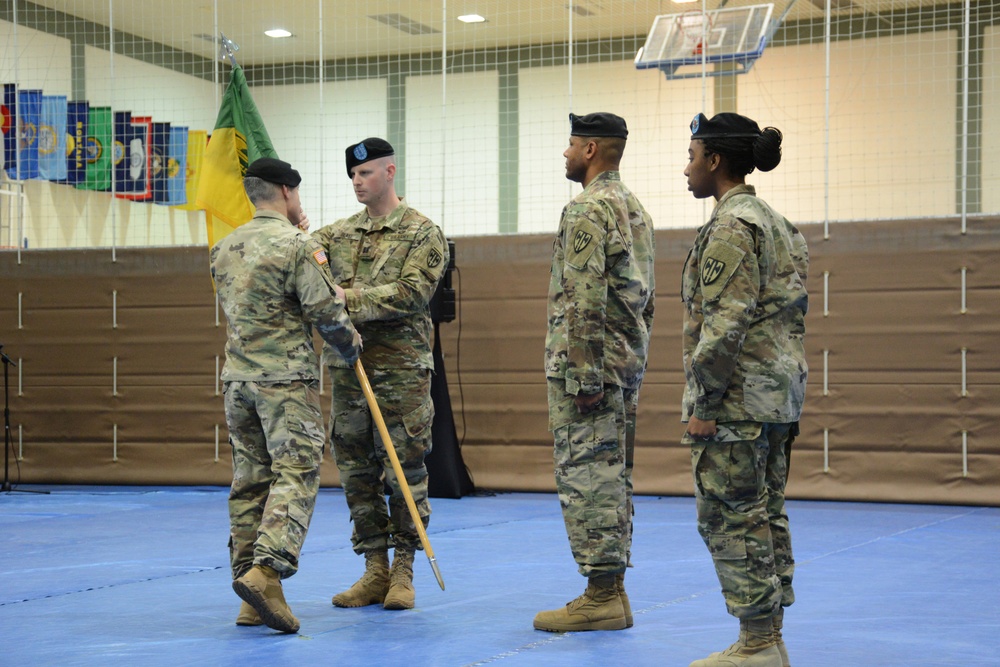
(397, 468)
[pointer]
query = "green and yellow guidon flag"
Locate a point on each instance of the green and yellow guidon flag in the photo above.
(239, 138)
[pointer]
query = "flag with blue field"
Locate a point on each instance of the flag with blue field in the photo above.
(52, 138)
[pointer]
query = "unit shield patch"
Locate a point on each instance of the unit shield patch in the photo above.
(719, 263)
(583, 241)
(711, 269)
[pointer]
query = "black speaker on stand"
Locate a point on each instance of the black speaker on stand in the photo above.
(447, 476)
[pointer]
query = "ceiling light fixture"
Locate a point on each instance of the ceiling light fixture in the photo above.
(472, 18)
(277, 33)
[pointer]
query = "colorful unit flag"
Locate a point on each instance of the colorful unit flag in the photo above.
(76, 141)
(52, 138)
(239, 138)
(22, 110)
(196, 142)
(133, 136)
(122, 135)
(99, 150)
(176, 163)
(160, 154)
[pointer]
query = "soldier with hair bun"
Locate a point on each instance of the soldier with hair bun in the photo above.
(744, 292)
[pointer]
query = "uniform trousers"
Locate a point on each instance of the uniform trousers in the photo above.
(276, 433)
(404, 399)
(593, 456)
(740, 497)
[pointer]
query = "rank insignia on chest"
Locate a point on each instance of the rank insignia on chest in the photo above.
(581, 240)
(433, 259)
(711, 269)
(320, 256)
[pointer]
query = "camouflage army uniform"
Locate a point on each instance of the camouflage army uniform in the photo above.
(600, 315)
(390, 268)
(272, 281)
(745, 296)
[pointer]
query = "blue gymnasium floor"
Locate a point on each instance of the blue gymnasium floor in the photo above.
(139, 576)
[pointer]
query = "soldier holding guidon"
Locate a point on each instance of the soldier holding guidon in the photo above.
(389, 259)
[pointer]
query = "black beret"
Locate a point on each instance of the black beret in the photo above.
(723, 125)
(598, 124)
(371, 148)
(275, 171)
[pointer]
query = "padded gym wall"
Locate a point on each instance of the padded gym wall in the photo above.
(117, 365)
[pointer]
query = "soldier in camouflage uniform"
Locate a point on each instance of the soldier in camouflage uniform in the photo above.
(274, 283)
(600, 315)
(389, 259)
(744, 290)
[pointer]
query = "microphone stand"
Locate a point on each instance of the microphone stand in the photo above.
(8, 442)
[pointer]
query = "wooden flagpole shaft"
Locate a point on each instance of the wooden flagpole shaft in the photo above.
(397, 468)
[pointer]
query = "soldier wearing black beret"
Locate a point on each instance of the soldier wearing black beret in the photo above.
(371, 148)
(276, 171)
(389, 258)
(274, 285)
(600, 313)
(743, 399)
(598, 125)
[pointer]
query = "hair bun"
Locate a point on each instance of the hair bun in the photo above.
(767, 149)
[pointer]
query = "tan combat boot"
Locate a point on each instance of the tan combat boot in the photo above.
(401, 594)
(261, 589)
(248, 616)
(599, 608)
(620, 584)
(756, 647)
(778, 622)
(373, 584)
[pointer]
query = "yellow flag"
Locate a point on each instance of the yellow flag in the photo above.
(239, 138)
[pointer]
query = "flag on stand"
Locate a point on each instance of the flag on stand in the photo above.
(99, 150)
(52, 138)
(239, 138)
(76, 142)
(196, 142)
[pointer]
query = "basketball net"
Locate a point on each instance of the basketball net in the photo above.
(694, 27)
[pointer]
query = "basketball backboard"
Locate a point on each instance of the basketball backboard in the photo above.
(679, 43)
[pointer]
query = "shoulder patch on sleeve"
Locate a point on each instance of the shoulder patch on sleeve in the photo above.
(320, 257)
(434, 258)
(582, 241)
(718, 264)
